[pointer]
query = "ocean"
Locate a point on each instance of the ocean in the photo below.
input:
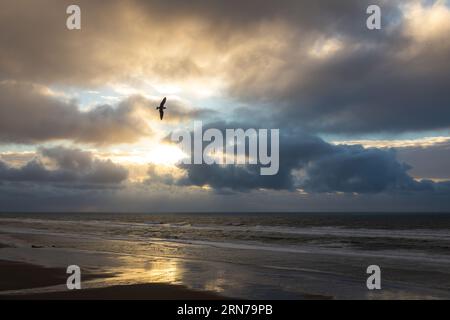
(247, 255)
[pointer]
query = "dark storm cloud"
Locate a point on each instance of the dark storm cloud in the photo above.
(313, 165)
(364, 92)
(355, 169)
(73, 168)
(429, 161)
(230, 16)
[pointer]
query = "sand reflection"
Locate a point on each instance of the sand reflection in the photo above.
(157, 270)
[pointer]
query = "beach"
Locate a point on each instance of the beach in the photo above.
(16, 276)
(243, 256)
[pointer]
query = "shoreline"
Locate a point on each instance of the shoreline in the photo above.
(20, 276)
(17, 276)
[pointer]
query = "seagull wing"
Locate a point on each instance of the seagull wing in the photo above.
(163, 102)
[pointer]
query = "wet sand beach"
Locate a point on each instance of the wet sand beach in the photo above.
(18, 275)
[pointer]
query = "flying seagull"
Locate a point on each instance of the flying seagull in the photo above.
(161, 108)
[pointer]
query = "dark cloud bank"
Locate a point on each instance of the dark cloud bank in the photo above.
(348, 178)
(313, 165)
(73, 168)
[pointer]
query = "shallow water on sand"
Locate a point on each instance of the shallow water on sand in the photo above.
(245, 255)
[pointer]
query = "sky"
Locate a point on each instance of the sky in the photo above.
(364, 115)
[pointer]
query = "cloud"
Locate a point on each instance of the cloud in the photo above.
(430, 162)
(166, 176)
(317, 63)
(355, 169)
(71, 167)
(165, 39)
(423, 142)
(29, 114)
(146, 198)
(177, 112)
(427, 156)
(313, 165)
(386, 81)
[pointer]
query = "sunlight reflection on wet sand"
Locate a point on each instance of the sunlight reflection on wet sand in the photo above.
(156, 271)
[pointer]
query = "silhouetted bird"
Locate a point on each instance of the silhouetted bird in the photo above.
(161, 108)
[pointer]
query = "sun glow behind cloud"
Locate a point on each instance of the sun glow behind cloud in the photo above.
(160, 154)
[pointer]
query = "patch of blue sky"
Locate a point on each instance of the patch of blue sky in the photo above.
(89, 98)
